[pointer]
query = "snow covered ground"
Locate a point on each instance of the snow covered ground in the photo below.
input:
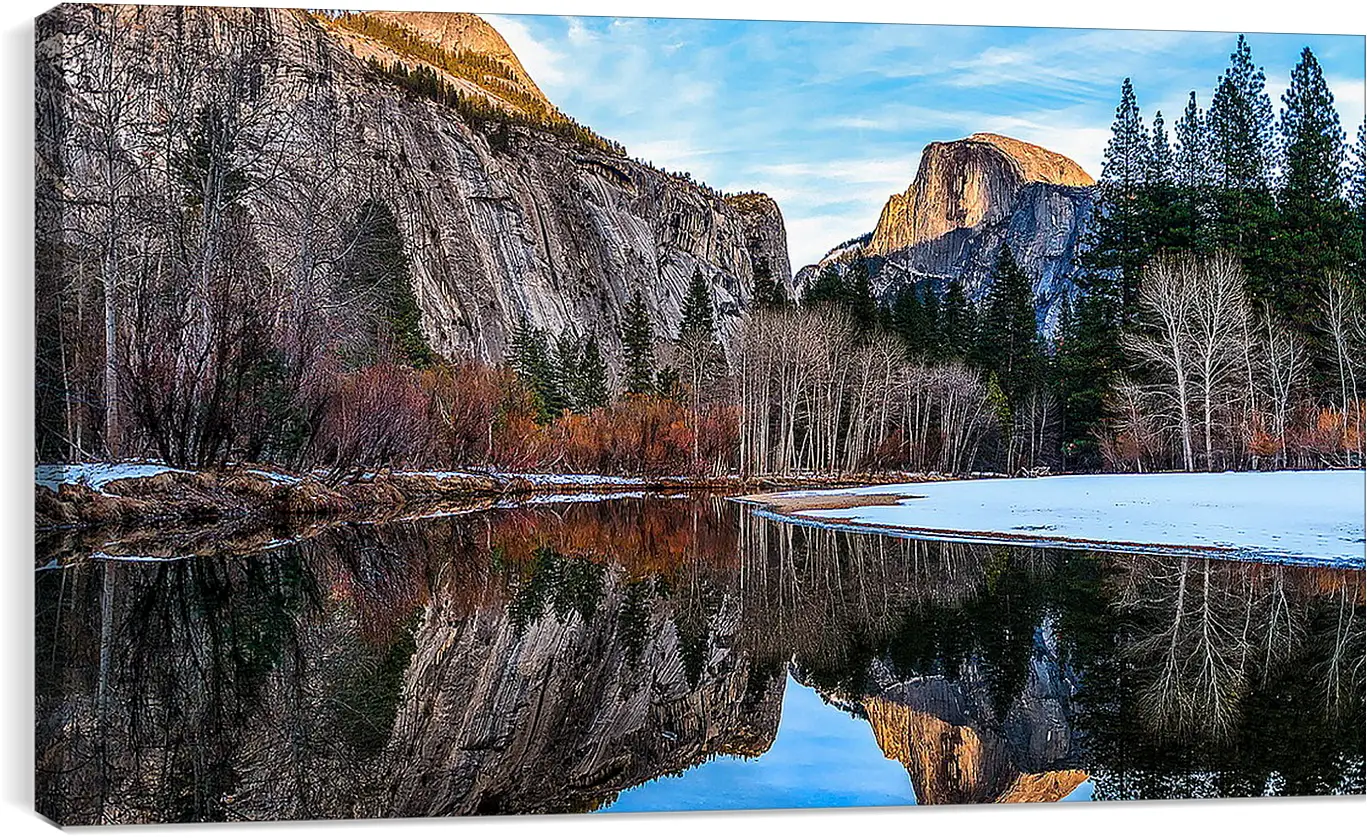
(1298, 516)
(95, 475)
(98, 475)
(276, 477)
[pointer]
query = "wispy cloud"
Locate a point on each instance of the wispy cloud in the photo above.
(542, 62)
(831, 118)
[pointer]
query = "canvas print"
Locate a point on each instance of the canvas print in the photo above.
(442, 414)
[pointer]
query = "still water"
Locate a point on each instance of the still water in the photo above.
(655, 654)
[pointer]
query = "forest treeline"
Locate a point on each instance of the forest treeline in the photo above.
(1220, 317)
(1218, 324)
(1218, 321)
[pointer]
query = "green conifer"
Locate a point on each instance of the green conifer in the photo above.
(591, 378)
(638, 347)
(1008, 342)
(697, 322)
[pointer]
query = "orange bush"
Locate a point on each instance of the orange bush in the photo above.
(470, 414)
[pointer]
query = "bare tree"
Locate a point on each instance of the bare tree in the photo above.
(1218, 315)
(1168, 296)
(814, 396)
(1344, 321)
(1133, 436)
(1284, 362)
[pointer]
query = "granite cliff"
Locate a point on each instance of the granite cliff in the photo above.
(560, 715)
(958, 747)
(501, 218)
(969, 197)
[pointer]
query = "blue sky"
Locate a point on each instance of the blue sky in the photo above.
(822, 756)
(830, 118)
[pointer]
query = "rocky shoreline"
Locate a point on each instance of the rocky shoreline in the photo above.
(250, 493)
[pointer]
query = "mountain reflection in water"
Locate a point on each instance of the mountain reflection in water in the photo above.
(546, 658)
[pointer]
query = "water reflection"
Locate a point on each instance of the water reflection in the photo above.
(547, 658)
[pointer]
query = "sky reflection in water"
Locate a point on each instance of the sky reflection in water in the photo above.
(822, 756)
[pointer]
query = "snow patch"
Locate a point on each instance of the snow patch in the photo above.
(1294, 516)
(584, 497)
(96, 475)
(275, 477)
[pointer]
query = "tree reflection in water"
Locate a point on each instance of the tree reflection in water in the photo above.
(544, 658)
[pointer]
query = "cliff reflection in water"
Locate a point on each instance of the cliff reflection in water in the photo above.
(546, 658)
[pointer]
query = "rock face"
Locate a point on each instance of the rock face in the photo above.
(963, 185)
(958, 749)
(559, 717)
(969, 198)
(499, 220)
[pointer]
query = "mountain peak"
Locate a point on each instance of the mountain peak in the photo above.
(462, 48)
(457, 31)
(963, 184)
(1038, 164)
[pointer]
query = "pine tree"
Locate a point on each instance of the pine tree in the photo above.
(1127, 159)
(829, 287)
(1312, 136)
(859, 297)
(530, 356)
(591, 379)
(1086, 363)
(768, 292)
(697, 322)
(1191, 159)
(377, 268)
(1357, 172)
(1160, 153)
(935, 339)
(669, 384)
(698, 355)
(205, 168)
(1241, 124)
(1008, 337)
(1192, 209)
(908, 319)
(956, 322)
(1314, 234)
(563, 379)
(1356, 215)
(1240, 133)
(638, 347)
(1164, 215)
(1118, 244)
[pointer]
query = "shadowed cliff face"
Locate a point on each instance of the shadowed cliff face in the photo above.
(498, 221)
(969, 198)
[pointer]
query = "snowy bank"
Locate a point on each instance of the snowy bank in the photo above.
(1294, 516)
(96, 475)
(68, 495)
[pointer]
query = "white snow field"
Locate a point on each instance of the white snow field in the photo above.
(1293, 516)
